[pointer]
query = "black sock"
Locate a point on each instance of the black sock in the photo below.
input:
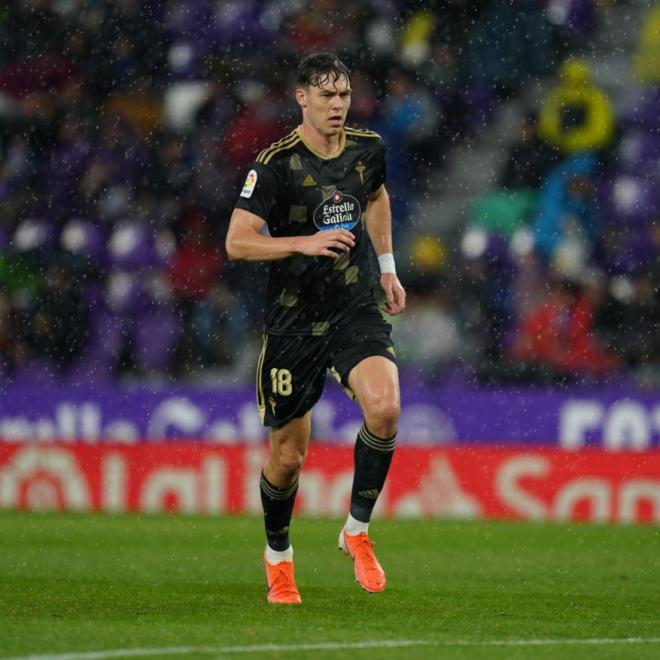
(373, 456)
(278, 507)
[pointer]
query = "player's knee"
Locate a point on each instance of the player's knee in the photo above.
(290, 461)
(382, 416)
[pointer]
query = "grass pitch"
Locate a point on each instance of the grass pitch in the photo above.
(194, 587)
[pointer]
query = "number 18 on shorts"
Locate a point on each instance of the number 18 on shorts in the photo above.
(292, 369)
(290, 377)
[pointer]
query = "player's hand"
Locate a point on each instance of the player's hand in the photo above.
(395, 296)
(322, 243)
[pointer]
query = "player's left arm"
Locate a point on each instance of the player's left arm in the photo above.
(379, 227)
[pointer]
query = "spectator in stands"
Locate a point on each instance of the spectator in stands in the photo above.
(82, 84)
(647, 57)
(57, 327)
(172, 165)
(364, 99)
(193, 276)
(257, 123)
(320, 25)
(429, 338)
(139, 104)
(67, 164)
(220, 327)
(198, 260)
(17, 167)
(408, 122)
(416, 37)
(529, 159)
(556, 339)
(625, 320)
(510, 42)
(483, 286)
(568, 216)
(7, 333)
(577, 115)
(630, 315)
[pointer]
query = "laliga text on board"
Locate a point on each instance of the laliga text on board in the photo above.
(454, 482)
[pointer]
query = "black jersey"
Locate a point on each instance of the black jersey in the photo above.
(299, 191)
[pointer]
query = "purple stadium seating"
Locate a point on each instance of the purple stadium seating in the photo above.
(633, 200)
(189, 19)
(5, 238)
(639, 153)
(108, 333)
(155, 336)
(498, 255)
(185, 60)
(642, 108)
(577, 16)
(36, 373)
(81, 237)
(633, 252)
(238, 21)
(480, 104)
(125, 293)
(33, 234)
(133, 246)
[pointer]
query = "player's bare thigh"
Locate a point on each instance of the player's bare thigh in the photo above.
(375, 383)
(288, 449)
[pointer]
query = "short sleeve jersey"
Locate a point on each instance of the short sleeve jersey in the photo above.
(299, 191)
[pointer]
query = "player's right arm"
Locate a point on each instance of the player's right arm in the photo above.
(246, 241)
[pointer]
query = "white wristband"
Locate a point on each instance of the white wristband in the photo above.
(386, 263)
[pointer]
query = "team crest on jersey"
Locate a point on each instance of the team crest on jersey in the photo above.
(339, 211)
(250, 183)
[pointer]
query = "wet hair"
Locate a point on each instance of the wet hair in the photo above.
(319, 68)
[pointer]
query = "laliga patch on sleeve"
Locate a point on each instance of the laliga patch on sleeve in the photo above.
(250, 183)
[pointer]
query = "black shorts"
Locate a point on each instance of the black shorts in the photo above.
(291, 369)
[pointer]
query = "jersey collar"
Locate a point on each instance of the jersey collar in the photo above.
(316, 152)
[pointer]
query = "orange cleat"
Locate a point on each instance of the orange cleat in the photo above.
(369, 573)
(282, 589)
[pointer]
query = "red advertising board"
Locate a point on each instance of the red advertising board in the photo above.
(455, 482)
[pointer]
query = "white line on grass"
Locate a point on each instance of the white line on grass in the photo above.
(331, 646)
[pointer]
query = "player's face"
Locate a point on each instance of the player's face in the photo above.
(325, 106)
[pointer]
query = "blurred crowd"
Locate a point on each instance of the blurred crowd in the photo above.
(126, 129)
(558, 277)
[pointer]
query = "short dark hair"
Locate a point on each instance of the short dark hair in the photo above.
(318, 68)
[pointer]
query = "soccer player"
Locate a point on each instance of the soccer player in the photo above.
(320, 193)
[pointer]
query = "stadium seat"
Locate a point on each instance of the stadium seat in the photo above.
(156, 333)
(642, 108)
(83, 238)
(125, 293)
(136, 246)
(36, 373)
(633, 200)
(639, 153)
